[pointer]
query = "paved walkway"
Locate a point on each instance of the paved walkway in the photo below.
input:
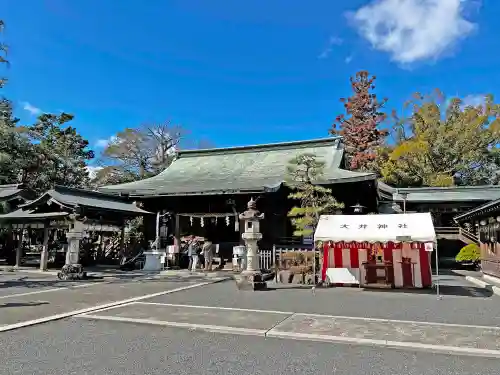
(434, 337)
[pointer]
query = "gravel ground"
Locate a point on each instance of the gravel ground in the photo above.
(80, 347)
(390, 304)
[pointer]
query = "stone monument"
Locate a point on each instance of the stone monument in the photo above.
(251, 277)
(74, 235)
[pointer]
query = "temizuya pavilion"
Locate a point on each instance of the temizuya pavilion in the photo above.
(75, 210)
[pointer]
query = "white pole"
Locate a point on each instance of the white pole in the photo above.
(437, 273)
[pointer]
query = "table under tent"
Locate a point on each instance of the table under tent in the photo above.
(392, 250)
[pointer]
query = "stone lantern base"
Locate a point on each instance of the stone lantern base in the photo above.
(248, 280)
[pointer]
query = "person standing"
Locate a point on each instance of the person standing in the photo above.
(208, 255)
(193, 251)
(190, 251)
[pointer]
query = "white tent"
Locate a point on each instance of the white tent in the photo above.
(413, 227)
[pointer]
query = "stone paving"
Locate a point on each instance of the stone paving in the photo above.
(309, 326)
(393, 331)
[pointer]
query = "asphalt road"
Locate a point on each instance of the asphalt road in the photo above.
(462, 302)
(12, 283)
(43, 301)
(81, 347)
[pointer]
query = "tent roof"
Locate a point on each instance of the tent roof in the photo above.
(247, 169)
(376, 228)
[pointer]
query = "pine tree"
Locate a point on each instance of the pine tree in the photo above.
(360, 126)
(314, 200)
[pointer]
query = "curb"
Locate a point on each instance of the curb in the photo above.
(493, 288)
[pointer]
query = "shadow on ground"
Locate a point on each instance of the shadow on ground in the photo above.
(444, 290)
(25, 282)
(22, 304)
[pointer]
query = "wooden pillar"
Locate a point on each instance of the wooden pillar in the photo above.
(19, 250)
(45, 249)
(122, 239)
(177, 241)
(177, 233)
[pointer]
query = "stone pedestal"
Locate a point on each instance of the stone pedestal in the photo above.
(153, 261)
(73, 252)
(252, 253)
(250, 281)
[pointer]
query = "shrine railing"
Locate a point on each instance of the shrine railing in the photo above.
(467, 235)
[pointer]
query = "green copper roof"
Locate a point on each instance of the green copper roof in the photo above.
(239, 169)
(441, 194)
(71, 198)
(9, 191)
(29, 215)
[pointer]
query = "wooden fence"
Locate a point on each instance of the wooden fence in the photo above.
(269, 258)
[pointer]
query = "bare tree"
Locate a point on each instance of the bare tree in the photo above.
(138, 153)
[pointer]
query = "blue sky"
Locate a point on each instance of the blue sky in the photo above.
(240, 72)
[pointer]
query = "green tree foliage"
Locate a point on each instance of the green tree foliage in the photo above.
(60, 154)
(360, 126)
(469, 253)
(444, 144)
(18, 156)
(138, 153)
(304, 174)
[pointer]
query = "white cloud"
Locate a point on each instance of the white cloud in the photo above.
(413, 30)
(102, 143)
(93, 171)
(473, 100)
(348, 59)
(333, 41)
(31, 109)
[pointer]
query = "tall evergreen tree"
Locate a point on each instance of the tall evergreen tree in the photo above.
(360, 126)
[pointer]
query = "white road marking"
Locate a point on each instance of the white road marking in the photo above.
(323, 315)
(212, 307)
(202, 327)
(51, 290)
(45, 319)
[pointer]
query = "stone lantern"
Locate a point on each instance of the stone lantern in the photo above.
(251, 277)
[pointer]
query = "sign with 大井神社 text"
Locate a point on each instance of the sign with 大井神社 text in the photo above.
(375, 228)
